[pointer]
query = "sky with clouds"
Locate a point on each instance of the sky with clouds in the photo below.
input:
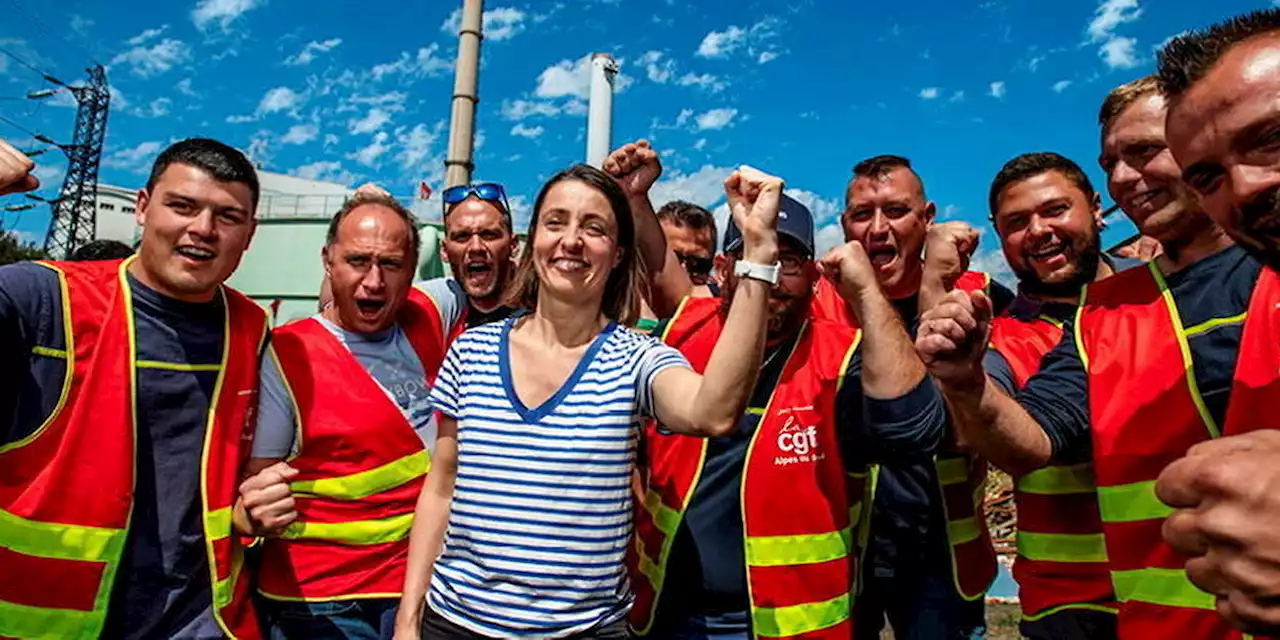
(353, 92)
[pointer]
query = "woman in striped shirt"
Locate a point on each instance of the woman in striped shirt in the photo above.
(523, 525)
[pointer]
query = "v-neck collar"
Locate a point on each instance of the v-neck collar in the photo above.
(550, 404)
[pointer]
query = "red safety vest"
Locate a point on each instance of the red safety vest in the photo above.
(1146, 412)
(799, 506)
(66, 491)
(1062, 560)
(961, 479)
(360, 466)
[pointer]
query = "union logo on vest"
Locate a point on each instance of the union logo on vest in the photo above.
(798, 438)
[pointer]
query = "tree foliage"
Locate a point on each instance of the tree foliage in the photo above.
(13, 249)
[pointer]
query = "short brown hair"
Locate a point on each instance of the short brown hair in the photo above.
(881, 165)
(1122, 96)
(1030, 165)
(687, 214)
(621, 301)
(364, 198)
(1189, 57)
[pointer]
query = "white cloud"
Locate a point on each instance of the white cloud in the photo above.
(149, 61)
(657, 67)
(501, 23)
(929, 93)
(427, 62)
(997, 90)
(766, 56)
(143, 37)
(301, 134)
(715, 119)
(220, 12)
(372, 121)
(369, 154)
(521, 109)
(991, 260)
(157, 108)
(325, 171)
(684, 116)
(949, 212)
(416, 145)
(80, 25)
(717, 44)
(700, 144)
(565, 78)
(331, 139)
(704, 187)
(1061, 85)
(310, 51)
(1109, 15)
(184, 87)
(1118, 53)
(279, 99)
(958, 96)
(704, 80)
(526, 132)
(259, 150)
(136, 159)
(827, 237)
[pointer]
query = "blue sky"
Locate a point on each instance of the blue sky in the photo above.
(351, 92)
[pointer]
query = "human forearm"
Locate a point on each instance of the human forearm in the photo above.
(668, 281)
(989, 422)
(730, 375)
(431, 518)
(891, 367)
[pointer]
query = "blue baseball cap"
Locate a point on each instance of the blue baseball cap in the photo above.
(794, 221)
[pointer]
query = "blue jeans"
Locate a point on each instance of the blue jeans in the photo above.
(338, 620)
(918, 608)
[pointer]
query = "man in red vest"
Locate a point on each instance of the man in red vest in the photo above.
(1157, 361)
(926, 565)
(1049, 220)
(1222, 84)
(128, 416)
(344, 399)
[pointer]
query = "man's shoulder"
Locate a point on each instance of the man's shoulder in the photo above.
(27, 285)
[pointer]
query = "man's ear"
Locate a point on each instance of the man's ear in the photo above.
(930, 213)
(1097, 211)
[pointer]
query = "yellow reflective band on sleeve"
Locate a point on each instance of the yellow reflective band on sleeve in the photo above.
(366, 483)
(1165, 587)
(781, 551)
(50, 352)
(21, 621)
(953, 470)
(357, 532)
(665, 518)
(785, 622)
(1059, 480)
(1062, 547)
(962, 531)
(60, 541)
(1131, 503)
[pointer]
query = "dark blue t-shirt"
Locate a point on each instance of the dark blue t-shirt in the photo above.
(162, 588)
(707, 567)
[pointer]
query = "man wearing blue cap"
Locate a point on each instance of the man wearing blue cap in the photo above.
(754, 533)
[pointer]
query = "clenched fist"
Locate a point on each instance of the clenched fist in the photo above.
(953, 336)
(754, 200)
(15, 171)
(947, 249)
(1227, 496)
(372, 189)
(849, 269)
(635, 166)
(268, 500)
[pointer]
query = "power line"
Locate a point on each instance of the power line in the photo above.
(40, 24)
(26, 64)
(18, 126)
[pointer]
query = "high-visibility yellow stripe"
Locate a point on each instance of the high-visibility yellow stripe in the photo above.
(953, 470)
(784, 622)
(1131, 503)
(778, 551)
(22, 621)
(1166, 587)
(60, 541)
(855, 513)
(177, 366)
(217, 524)
(1059, 480)
(1083, 606)
(1185, 348)
(1062, 547)
(1214, 323)
(665, 518)
(50, 352)
(367, 483)
(755, 411)
(357, 532)
(962, 531)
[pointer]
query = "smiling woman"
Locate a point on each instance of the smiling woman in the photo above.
(529, 491)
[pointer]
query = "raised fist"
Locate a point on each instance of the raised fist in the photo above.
(635, 166)
(849, 269)
(754, 199)
(15, 171)
(268, 500)
(372, 189)
(953, 337)
(947, 249)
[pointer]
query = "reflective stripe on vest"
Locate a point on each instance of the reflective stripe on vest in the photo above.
(1060, 547)
(954, 471)
(784, 622)
(1132, 503)
(355, 532)
(1168, 587)
(1059, 480)
(366, 483)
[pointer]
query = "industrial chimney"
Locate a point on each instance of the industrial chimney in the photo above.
(462, 124)
(600, 110)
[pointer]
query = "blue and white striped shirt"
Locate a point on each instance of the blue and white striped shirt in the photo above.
(541, 511)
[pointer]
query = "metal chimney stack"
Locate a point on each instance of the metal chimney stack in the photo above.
(462, 124)
(600, 110)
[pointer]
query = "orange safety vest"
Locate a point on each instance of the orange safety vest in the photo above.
(799, 506)
(66, 491)
(1062, 560)
(1146, 412)
(360, 466)
(961, 479)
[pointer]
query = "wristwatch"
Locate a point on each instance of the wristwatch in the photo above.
(756, 271)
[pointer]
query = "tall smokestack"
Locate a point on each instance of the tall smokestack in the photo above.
(600, 113)
(462, 124)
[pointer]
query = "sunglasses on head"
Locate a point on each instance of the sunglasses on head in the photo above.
(487, 191)
(695, 265)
